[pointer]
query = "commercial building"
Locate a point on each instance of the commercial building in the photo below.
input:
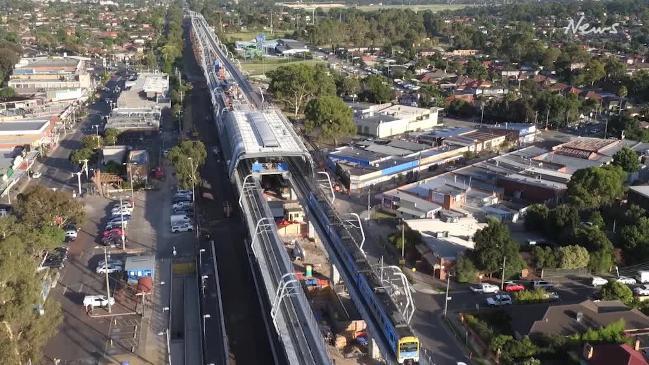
(140, 105)
(56, 76)
(387, 120)
(25, 132)
(137, 267)
(639, 195)
(368, 163)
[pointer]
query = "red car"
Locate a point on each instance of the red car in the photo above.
(113, 232)
(511, 286)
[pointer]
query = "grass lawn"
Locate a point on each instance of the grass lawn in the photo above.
(251, 34)
(257, 67)
(432, 7)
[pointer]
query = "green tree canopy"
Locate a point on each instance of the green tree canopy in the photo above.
(614, 290)
(92, 142)
(627, 159)
(377, 89)
(596, 186)
(545, 257)
(536, 216)
(294, 85)
(465, 270)
(41, 207)
(110, 136)
(573, 257)
(187, 158)
(635, 240)
(81, 154)
(492, 244)
(329, 116)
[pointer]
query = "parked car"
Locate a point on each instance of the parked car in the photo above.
(122, 209)
(113, 231)
(499, 300)
(181, 205)
(511, 286)
(641, 290)
(120, 213)
(114, 224)
(110, 268)
(70, 234)
(119, 218)
(485, 288)
(110, 262)
(599, 281)
(184, 227)
(94, 301)
(626, 280)
(36, 174)
(542, 284)
(124, 204)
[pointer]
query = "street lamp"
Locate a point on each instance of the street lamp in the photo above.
(205, 316)
(200, 257)
(106, 270)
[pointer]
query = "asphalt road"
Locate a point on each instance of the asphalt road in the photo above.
(248, 342)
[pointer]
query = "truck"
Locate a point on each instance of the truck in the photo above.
(643, 276)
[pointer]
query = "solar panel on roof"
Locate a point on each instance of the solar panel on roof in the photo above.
(264, 134)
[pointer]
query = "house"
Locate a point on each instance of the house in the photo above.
(571, 319)
(639, 195)
(609, 353)
(386, 120)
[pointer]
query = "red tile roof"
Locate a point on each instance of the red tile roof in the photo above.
(610, 354)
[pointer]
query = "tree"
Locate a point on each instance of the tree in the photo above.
(561, 221)
(545, 257)
(187, 158)
(627, 159)
(573, 257)
(597, 220)
(294, 85)
(611, 333)
(376, 89)
(92, 142)
(41, 207)
(492, 244)
(614, 290)
(596, 186)
(330, 116)
(110, 136)
(536, 217)
(81, 154)
(465, 269)
(635, 240)
(351, 86)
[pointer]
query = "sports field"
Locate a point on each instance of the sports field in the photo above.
(258, 67)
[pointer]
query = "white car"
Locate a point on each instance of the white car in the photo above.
(71, 235)
(110, 262)
(124, 209)
(641, 290)
(110, 268)
(182, 204)
(485, 288)
(498, 300)
(626, 280)
(182, 228)
(97, 301)
(118, 213)
(36, 175)
(599, 281)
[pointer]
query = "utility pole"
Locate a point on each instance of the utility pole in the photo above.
(446, 298)
(121, 213)
(79, 181)
(85, 167)
(107, 280)
(502, 277)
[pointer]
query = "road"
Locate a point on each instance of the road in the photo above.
(243, 318)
